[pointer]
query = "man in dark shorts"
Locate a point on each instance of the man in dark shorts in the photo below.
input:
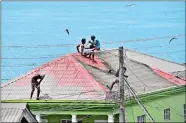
(36, 84)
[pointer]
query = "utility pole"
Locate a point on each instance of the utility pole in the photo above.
(121, 87)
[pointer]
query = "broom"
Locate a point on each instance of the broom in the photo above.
(45, 95)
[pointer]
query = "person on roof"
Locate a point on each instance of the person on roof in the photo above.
(95, 44)
(82, 46)
(36, 84)
(116, 81)
(85, 51)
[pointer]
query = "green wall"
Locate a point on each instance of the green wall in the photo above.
(156, 109)
(57, 118)
(90, 119)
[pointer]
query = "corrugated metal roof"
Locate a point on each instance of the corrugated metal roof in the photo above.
(66, 79)
(140, 76)
(170, 77)
(12, 112)
(155, 62)
(74, 77)
(180, 74)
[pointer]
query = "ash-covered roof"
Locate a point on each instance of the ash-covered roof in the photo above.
(154, 62)
(141, 77)
(180, 74)
(73, 77)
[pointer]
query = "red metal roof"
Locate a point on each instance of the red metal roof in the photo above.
(170, 77)
(64, 76)
(98, 63)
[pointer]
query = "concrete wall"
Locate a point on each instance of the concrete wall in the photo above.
(156, 109)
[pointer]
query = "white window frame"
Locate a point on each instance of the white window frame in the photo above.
(100, 121)
(167, 114)
(141, 119)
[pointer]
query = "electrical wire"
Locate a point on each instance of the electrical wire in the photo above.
(144, 83)
(31, 58)
(158, 108)
(138, 101)
(51, 71)
(111, 42)
(36, 70)
(52, 56)
(134, 69)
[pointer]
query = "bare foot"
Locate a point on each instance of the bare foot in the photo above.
(94, 61)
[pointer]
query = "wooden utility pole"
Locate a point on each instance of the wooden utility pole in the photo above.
(121, 87)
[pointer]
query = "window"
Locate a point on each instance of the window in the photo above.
(167, 114)
(141, 119)
(184, 112)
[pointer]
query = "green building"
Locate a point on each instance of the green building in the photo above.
(75, 89)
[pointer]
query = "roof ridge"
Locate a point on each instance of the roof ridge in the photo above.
(153, 56)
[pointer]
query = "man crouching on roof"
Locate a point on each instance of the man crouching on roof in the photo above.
(36, 84)
(84, 50)
(95, 44)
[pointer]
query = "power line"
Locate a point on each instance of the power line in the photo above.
(58, 63)
(46, 57)
(138, 101)
(50, 72)
(132, 108)
(139, 68)
(177, 113)
(138, 54)
(111, 42)
(147, 86)
(143, 83)
(145, 39)
(36, 70)
(5, 79)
